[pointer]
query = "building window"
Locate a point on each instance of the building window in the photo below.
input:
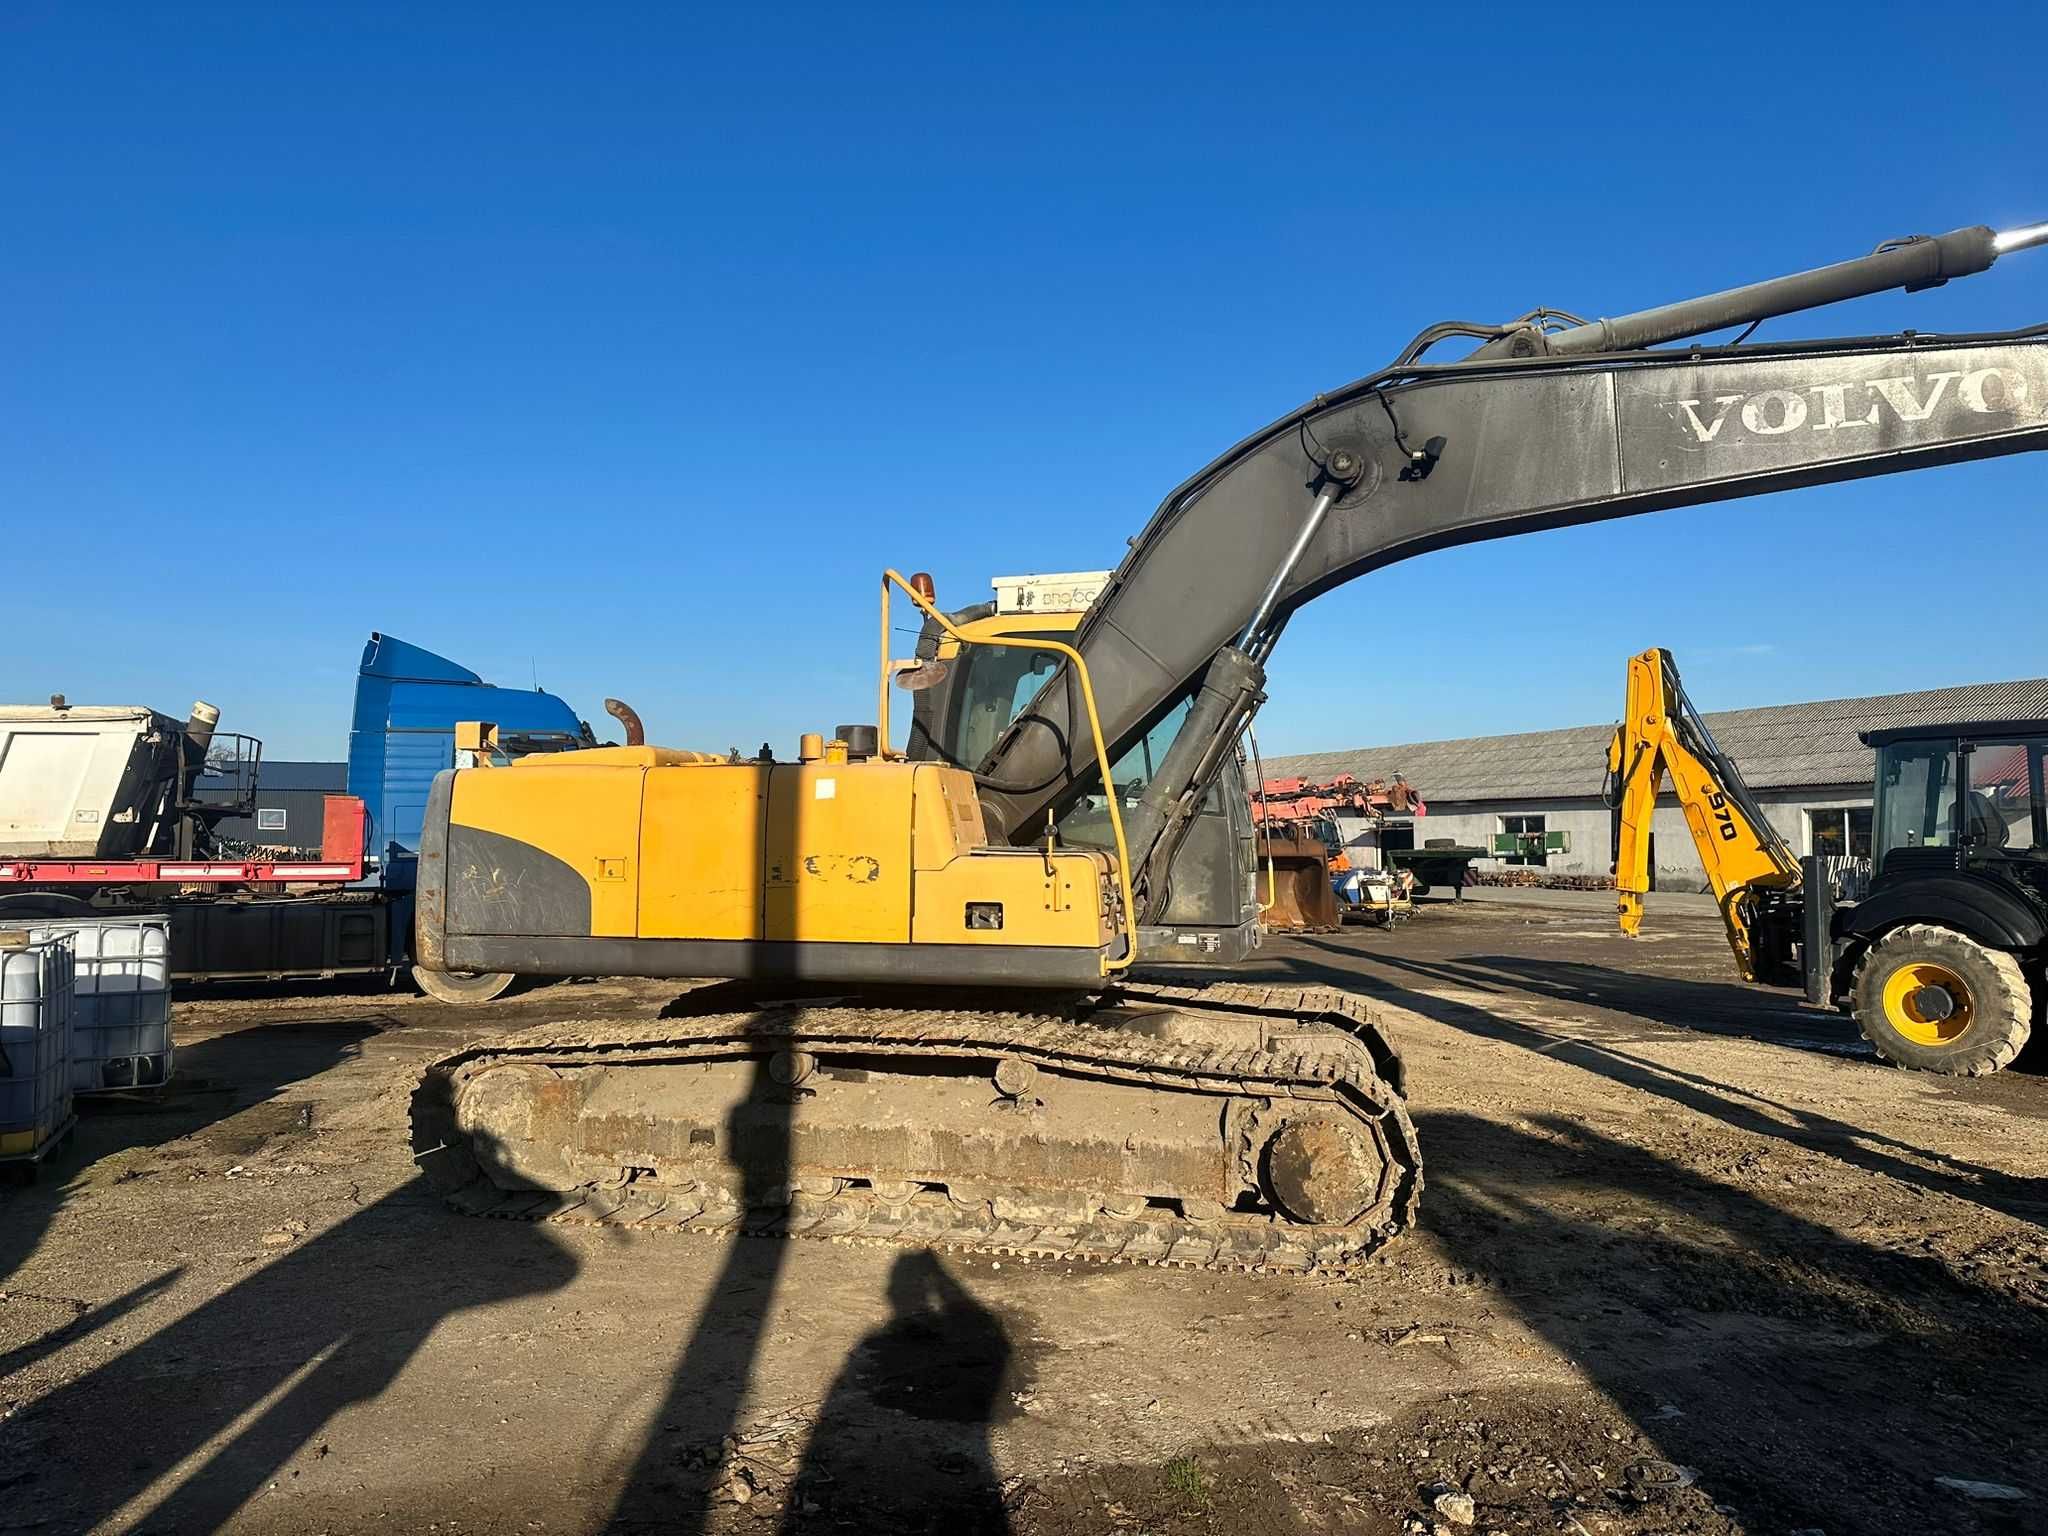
(1838, 832)
(1525, 827)
(270, 818)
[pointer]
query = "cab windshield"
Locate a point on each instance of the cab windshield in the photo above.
(999, 681)
(1916, 795)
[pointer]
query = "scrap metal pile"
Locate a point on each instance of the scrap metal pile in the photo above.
(1282, 800)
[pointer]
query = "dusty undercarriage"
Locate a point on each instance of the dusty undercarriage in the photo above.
(1222, 1126)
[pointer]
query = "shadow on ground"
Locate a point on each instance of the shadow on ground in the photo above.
(1813, 1380)
(900, 1442)
(942, 1362)
(238, 1399)
(265, 1366)
(1661, 1001)
(224, 1086)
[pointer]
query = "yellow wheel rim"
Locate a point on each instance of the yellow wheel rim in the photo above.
(1907, 1011)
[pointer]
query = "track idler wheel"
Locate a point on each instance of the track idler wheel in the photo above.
(1321, 1170)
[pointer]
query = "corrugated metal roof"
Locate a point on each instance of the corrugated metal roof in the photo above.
(1781, 747)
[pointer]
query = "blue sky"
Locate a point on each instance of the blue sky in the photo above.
(624, 346)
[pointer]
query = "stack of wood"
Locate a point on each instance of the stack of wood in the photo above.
(1516, 875)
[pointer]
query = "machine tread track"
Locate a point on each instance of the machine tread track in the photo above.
(711, 1022)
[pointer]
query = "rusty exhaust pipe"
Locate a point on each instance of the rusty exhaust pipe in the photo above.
(636, 733)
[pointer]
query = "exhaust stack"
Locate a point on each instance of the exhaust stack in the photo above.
(199, 728)
(624, 713)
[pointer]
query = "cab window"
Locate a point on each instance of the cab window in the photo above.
(1916, 795)
(2003, 809)
(1000, 680)
(1087, 820)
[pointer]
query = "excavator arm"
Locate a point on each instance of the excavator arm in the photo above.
(1743, 855)
(1539, 428)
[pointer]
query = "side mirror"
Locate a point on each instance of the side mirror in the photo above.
(915, 676)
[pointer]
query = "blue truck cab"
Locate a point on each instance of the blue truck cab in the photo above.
(408, 701)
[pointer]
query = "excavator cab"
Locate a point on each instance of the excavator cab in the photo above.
(967, 696)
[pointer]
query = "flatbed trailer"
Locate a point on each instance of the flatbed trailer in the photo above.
(1433, 867)
(236, 919)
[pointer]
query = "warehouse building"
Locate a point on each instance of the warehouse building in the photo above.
(1542, 789)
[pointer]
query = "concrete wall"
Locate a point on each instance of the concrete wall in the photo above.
(1590, 824)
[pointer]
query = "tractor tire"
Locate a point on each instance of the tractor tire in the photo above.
(463, 987)
(1932, 999)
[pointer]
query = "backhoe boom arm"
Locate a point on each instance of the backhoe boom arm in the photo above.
(1741, 852)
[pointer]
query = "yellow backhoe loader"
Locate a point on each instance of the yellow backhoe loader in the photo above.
(1936, 943)
(938, 1025)
(1750, 868)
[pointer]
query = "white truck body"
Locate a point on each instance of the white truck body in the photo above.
(85, 782)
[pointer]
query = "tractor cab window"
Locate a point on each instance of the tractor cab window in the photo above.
(2003, 808)
(1916, 795)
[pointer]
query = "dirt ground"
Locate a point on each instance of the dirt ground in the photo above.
(1690, 1260)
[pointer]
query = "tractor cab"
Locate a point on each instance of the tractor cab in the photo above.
(1963, 798)
(1942, 958)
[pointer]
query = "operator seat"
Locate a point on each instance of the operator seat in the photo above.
(1987, 828)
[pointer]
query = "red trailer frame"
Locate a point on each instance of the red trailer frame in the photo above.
(343, 829)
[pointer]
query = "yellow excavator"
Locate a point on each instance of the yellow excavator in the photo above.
(944, 1019)
(1751, 870)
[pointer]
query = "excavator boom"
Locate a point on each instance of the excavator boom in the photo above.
(1534, 430)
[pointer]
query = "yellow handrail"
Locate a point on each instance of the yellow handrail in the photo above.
(1025, 642)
